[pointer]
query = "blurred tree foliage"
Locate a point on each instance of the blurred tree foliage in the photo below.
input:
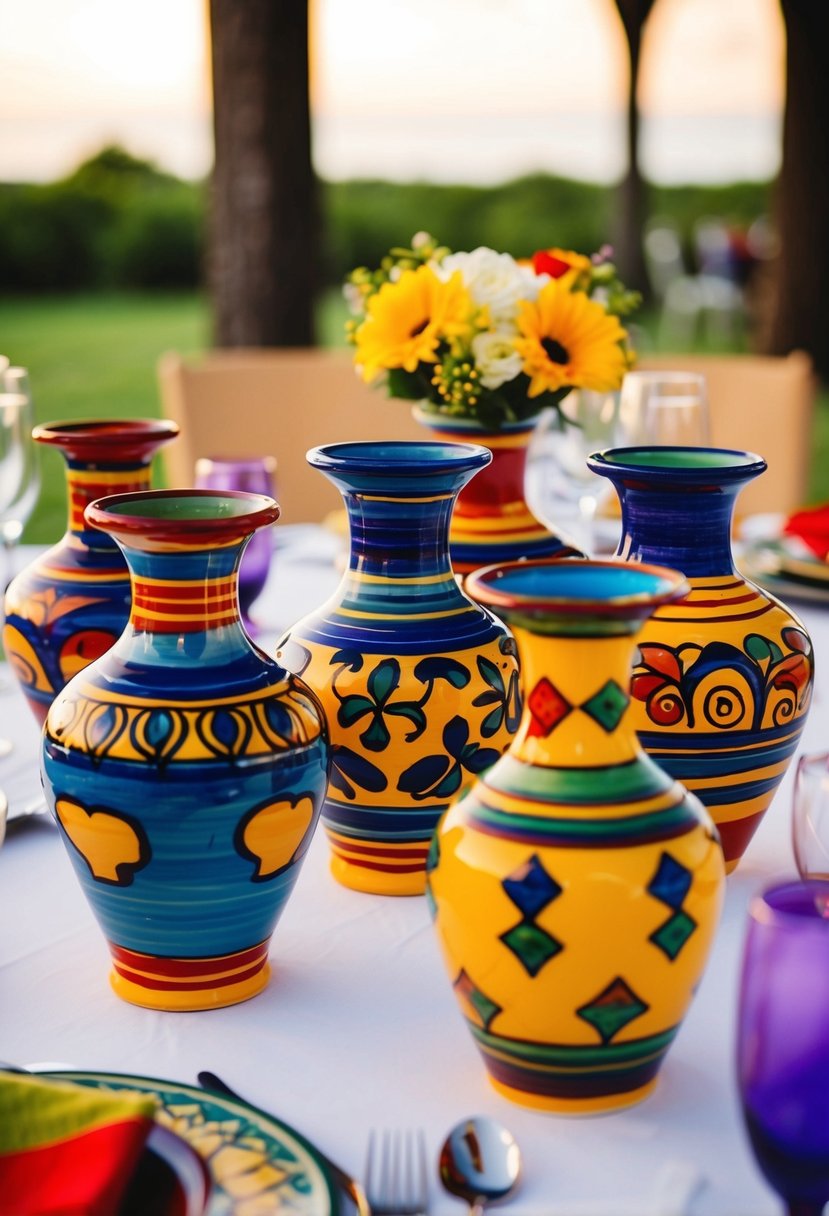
(117, 221)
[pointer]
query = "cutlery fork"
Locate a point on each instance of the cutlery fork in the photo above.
(396, 1180)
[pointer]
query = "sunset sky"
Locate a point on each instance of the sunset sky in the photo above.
(470, 90)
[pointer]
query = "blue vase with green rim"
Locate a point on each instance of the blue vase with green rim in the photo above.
(723, 679)
(576, 887)
(419, 683)
(184, 767)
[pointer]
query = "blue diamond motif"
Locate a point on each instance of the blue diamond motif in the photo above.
(531, 888)
(671, 882)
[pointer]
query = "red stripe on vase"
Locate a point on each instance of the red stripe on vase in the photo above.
(179, 967)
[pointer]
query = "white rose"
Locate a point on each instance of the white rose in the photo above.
(496, 358)
(494, 280)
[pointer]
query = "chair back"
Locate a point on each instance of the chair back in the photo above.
(241, 402)
(763, 404)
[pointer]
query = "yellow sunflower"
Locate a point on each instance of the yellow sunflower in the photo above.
(568, 340)
(407, 319)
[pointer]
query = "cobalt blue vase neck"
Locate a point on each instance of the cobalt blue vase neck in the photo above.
(677, 503)
(399, 498)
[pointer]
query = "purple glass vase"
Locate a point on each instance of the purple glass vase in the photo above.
(255, 475)
(783, 1041)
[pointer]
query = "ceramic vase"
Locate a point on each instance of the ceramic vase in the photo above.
(70, 604)
(184, 767)
(492, 521)
(576, 888)
(723, 679)
(419, 684)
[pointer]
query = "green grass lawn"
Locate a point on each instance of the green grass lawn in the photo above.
(95, 356)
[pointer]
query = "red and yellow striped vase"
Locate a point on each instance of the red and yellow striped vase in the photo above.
(492, 521)
(723, 679)
(69, 606)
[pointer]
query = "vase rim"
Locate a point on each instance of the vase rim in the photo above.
(440, 421)
(793, 902)
(574, 586)
(185, 517)
(406, 458)
(102, 438)
(666, 463)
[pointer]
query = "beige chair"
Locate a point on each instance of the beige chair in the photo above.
(764, 404)
(279, 403)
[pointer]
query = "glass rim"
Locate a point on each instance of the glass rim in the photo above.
(786, 902)
(670, 375)
(267, 463)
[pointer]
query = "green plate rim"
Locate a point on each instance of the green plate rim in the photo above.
(210, 1095)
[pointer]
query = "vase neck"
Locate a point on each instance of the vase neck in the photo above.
(86, 482)
(575, 690)
(500, 486)
(688, 530)
(185, 602)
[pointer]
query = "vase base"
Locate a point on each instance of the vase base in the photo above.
(597, 1105)
(188, 985)
(377, 882)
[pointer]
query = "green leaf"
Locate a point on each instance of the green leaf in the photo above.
(758, 647)
(353, 708)
(491, 674)
(407, 386)
(438, 668)
(383, 680)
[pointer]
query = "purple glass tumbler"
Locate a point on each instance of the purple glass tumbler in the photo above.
(255, 475)
(783, 1041)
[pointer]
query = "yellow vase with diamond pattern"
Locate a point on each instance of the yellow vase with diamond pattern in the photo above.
(577, 887)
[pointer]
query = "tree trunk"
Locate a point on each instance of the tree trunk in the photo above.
(800, 307)
(263, 222)
(631, 201)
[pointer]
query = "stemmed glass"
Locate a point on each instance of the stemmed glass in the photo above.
(561, 490)
(19, 475)
(783, 1042)
(664, 408)
(810, 816)
(19, 461)
(255, 475)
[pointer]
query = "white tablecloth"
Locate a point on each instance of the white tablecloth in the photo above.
(359, 1027)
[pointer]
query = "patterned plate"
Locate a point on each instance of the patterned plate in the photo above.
(782, 564)
(258, 1166)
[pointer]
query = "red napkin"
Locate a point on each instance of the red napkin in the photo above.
(811, 525)
(67, 1150)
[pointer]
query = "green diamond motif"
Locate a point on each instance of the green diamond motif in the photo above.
(673, 935)
(607, 705)
(531, 945)
(612, 1009)
(478, 1002)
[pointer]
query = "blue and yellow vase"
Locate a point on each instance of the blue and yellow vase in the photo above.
(185, 768)
(72, 602)
(577, 887)
(723, 679)
(419, 684)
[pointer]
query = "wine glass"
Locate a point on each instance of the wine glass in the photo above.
(19, 476)
(664, 408)
(19, 461)
(561, 490)
(810, 816)
(255, 475)
(783, 1041)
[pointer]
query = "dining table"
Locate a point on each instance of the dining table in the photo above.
(358, 1029)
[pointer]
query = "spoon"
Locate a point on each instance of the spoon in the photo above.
(479, 1162)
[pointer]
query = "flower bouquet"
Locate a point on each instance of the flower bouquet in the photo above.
(486, 337)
